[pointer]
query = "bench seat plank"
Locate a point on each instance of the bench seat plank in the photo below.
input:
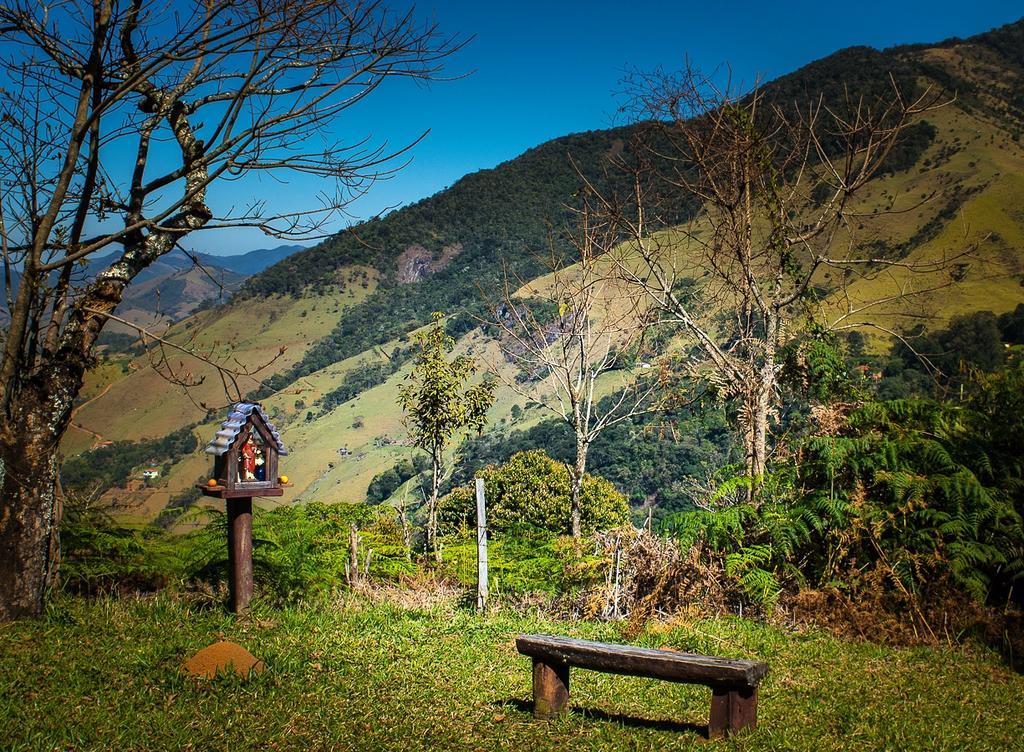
(635, 661)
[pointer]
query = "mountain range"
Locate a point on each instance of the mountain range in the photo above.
(175, 285)
(343, 307)
(180, 282)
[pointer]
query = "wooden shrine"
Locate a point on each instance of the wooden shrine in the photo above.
(246, 451)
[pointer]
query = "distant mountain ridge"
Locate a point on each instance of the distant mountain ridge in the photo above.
(253, 262)
(178, 283)
(244, 264)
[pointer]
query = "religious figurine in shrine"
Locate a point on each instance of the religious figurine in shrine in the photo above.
(261, 464)
(248, 455)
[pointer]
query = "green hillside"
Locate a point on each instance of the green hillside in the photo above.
(346, 307)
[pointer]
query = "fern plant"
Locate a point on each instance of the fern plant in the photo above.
(760, 542)
(302, 551)
(919, 491)
(101, 555)
(916, 491)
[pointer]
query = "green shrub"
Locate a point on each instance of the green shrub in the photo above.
(926, 491)
(384, 542)
(758, 542)
(533, 490)
(910, 498)
(302, 551)
(524, 561)
(101, 556)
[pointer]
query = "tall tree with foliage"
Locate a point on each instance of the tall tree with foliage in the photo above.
(439, 402)
(119, 117)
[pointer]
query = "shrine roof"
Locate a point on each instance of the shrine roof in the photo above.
(235, 422)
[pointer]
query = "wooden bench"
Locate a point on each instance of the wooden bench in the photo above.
(733, 683)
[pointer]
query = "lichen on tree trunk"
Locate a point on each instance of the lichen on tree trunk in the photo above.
(29, 522)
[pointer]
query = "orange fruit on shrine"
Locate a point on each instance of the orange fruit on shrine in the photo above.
(283, 479)
(211, 482)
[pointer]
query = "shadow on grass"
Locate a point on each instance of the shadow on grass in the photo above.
(526, 706)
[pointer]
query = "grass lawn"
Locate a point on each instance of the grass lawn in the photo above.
(106, 675)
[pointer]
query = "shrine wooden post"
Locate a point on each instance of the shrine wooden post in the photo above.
(239, 553)
(246, 451)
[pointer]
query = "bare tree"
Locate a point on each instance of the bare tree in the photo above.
(118, 116)
(774, 188)
(571, 329)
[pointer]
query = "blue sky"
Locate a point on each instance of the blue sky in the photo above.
(538, 70)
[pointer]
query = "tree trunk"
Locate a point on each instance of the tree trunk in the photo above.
(576, 472)
(755, 434)
(29, 508)
(432, 510)
(757, 462)
(38, 405)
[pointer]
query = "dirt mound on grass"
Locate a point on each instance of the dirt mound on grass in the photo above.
(220, 658)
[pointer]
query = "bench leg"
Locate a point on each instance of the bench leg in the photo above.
(550, 689)
(733, 709)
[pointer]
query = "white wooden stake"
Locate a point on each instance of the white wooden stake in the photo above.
(481, 547)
